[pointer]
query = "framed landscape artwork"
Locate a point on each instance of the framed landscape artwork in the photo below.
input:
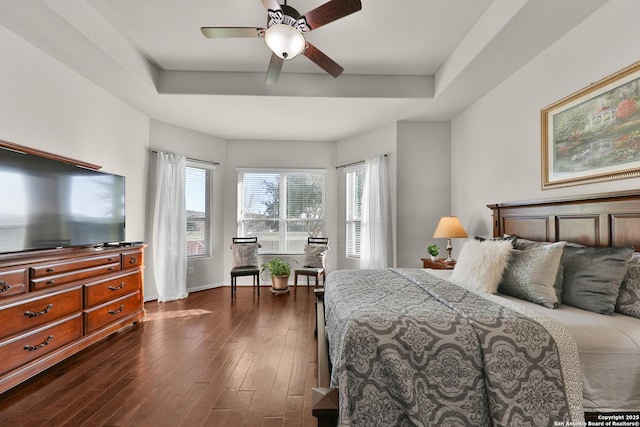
(594, 134)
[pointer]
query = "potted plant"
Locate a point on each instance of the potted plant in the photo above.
(433, 251)
(280, 272)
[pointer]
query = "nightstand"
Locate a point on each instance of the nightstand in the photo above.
(440, 264)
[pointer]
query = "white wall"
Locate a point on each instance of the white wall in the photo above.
(423, 188)
(496, 141)
(47, 106)
(207, 272)
(356, 149)
(276, 154)
(419, 175)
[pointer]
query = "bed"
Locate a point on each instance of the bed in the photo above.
(392, 338)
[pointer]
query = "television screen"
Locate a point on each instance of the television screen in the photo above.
(48, 204)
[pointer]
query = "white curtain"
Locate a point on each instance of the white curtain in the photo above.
(170, 228)
(375, 232)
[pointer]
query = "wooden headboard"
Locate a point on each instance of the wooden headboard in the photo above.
(609, 219)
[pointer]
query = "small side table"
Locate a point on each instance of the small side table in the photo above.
(439, 264)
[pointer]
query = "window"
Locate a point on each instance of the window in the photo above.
(197, 202)
(281, 207)
(355, 181)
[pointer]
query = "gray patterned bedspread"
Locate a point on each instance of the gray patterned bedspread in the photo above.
(409, 349)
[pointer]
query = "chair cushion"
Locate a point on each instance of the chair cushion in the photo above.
(315, 256)
(309, 270)
(245, 254)
(245, 271)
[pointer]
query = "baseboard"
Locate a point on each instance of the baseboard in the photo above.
(205, 287)
(153, 297)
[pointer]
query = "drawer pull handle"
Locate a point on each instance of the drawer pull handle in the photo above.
(111, 268)
(133, 260)
(51, 282)
(110, 259)
(4, 286)
(50, 270)
(40, 313)
(116, 288)
(119, 310)
(42, 344)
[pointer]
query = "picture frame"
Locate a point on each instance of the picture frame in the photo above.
(593, 135)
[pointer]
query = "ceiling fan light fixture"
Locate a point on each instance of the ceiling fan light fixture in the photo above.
(284, 40)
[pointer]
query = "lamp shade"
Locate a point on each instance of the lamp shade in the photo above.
(449, 227)
(284, 40)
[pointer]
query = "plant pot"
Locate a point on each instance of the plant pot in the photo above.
(280, 282)
(434, 258)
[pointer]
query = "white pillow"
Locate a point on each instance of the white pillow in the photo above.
(481, 264)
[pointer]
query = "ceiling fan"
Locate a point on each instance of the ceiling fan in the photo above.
(285, 30)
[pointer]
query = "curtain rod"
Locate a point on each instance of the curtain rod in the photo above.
(192, 159)
(356, 163)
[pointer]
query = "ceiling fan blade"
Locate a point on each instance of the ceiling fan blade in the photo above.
(230, 32)
(322, 60)
(273, 73)
(271, 4)
(331, 11)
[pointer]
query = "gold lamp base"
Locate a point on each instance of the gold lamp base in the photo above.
(449, 249)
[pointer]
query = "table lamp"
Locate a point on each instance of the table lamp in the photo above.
(449, 228)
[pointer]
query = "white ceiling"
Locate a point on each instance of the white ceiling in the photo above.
(403, 59)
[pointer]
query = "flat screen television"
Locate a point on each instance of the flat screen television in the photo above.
(47, 203)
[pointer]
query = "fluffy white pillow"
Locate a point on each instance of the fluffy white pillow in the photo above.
(481, 264)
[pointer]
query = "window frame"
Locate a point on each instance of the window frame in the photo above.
(353, 215)
(282, 219)
(206, 220)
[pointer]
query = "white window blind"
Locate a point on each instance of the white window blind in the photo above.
(283, 208)
(197, 202)
(354, 182)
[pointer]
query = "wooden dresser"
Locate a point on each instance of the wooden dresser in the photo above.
(54, 303)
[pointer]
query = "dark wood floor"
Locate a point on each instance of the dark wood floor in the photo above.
(202, 361)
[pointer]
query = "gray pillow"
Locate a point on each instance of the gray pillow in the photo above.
(629, 297)
(531, 274)
(557, 286)
(315, 256)
(245, 255)
(592, 277)
(526, 244)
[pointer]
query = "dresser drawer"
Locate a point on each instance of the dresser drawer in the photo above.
(101, 316)
(61, 279)
(28, 347)
(132, 259)
(102, 291)
(23, 316)
(73, 265)
(12, 281)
